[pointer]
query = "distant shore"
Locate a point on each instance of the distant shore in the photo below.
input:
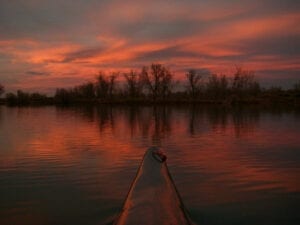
(291, 99)
(155, 85)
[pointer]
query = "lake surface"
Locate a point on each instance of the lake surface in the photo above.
(75, 165)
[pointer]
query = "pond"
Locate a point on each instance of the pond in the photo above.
(74, 165)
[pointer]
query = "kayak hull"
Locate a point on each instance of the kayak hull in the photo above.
(153, 198)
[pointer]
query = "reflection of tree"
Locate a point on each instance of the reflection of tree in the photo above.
(154, 122)
(245, 120)
(195, 119)
(162, 123)
(135, 118)
(192, 120)
(87, 112)
(202, 118)
(132, 119)
(145, 121)
(105, 117)
(242, 119)
(218, 117)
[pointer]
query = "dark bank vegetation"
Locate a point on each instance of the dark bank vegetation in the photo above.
(156, 84)
(24, 98)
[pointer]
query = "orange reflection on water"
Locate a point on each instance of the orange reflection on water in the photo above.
(216, 155)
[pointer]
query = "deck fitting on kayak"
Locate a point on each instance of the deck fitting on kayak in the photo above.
(159, 155)
(153, 198)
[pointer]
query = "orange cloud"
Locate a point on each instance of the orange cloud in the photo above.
(182, 36)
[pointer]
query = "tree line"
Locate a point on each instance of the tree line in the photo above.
(155, 83)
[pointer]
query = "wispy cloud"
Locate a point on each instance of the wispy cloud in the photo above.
(42, 41)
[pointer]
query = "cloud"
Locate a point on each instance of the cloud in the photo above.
(43, 38)
(284, 45)
(164, 54)
(38, 19)
(37, 73)
(83, 53)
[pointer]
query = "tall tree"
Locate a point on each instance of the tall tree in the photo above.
(157, 80)
(102, 86)
(194, 82)
(244, 82)
(112, 84)
(106, 85)
(87, 90)
(133, 84)
(217, 86)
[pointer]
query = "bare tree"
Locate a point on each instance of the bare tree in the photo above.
(242, 79)
(23, 97)
(133, 84)
(166, 84)
(157, 80)
(105, 86)
(244, 82)
(194, 82)
(223, 84)
(102, 86)
(112, 84)
(217, 86)
(84, 91)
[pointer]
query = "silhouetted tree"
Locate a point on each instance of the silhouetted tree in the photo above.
(86, 91)
(38, 98)
(102, 86)
(217, 86)
(194, 83)
(274, 91)
(112, 84)
(62, 96)
(105, 86)
(244, 82)
(166, 84)
(1, 89)
(23, 97)
(134, 84)
(224, 83)
(157, 80)
(11, 99)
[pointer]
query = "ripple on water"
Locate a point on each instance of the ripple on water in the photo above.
(75, 165)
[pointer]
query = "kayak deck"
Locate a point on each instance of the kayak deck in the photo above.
(153, 198)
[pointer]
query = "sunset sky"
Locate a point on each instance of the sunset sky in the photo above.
(46, 44)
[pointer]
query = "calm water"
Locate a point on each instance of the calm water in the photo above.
(74, 165)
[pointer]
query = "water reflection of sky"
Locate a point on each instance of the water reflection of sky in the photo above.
(76, 164)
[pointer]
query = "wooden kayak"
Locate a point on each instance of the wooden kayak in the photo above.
(153, 198)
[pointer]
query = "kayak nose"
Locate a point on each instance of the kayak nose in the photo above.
(158, 155)
(153, 198)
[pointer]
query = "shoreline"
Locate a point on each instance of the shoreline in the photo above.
(267, 101)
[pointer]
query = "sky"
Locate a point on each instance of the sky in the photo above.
(45, 44)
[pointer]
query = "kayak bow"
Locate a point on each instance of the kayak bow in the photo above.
(153, 198)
